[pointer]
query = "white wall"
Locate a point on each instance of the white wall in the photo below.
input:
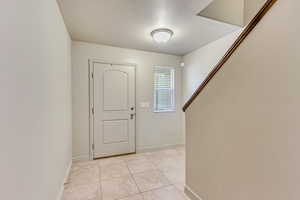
(200, 62)
(153, 130)
(243, 129)
(35, 102)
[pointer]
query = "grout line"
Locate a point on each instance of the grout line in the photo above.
(157, 169)
(100, 182)
(131, 174)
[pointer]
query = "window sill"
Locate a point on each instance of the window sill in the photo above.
(164, 111)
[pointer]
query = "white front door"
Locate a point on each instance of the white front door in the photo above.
(114, 109)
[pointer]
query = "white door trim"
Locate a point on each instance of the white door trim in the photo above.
(91, 98)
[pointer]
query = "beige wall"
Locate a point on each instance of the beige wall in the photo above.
(35, 103)
(153, 130)
(228, 11)
(238, 12)
(251, 8)
(243, 129)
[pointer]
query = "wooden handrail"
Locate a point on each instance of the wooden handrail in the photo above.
(231, 50)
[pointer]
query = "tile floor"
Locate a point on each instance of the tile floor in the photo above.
(156, 175)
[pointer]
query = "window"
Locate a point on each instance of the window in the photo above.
(164, 89)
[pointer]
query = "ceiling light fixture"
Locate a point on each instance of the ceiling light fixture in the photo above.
(161, 35)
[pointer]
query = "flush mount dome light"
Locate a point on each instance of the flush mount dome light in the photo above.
(162, 35)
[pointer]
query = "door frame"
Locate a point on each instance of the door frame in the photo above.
(91, 99)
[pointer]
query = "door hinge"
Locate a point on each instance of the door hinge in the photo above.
(92, 75)
(93, 110)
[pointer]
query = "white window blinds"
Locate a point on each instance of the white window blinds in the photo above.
(164, 91)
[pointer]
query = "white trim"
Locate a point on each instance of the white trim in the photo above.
(91, 104)
(164, 111)
(91, 100)
(191, 194)
(111, 62)
(143, 149)
(173, 80)
(60, 194)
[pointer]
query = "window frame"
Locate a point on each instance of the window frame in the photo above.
(173, 80)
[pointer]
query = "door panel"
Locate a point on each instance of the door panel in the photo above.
(115, 131)
(114, 104)
(116, 97)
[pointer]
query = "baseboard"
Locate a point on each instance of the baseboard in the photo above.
(156, 148)
(140, 149)
(81, 158)
(191, 194)
(60, 194)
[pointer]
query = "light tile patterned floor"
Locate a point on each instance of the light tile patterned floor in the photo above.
(158, 175)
